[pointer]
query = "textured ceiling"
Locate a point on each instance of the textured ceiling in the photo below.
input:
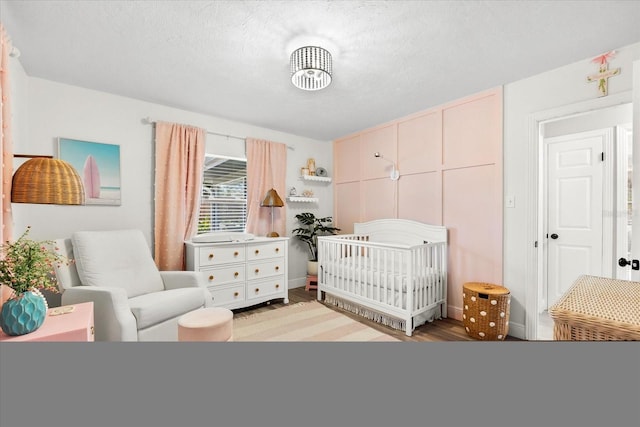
(231, 58)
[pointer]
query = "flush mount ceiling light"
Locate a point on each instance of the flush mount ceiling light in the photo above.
(311, 68)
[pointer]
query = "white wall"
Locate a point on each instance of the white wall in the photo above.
(59, 110)
(523, 99)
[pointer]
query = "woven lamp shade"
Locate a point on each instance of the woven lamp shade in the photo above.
(47, 181)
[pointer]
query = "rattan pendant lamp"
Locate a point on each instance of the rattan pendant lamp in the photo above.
(45, 180)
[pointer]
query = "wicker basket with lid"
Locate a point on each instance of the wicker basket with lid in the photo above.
(598, 309)
(486, 310)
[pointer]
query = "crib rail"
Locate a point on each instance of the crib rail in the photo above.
(399, 280)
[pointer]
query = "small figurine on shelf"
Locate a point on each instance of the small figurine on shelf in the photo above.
(304, 171)
(293, 192)
(311, 165)
(307, 193)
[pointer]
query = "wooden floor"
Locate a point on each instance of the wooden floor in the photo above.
(438, 330)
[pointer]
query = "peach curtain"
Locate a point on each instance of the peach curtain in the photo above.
(178, 182)
(6, 142)
(266, 169)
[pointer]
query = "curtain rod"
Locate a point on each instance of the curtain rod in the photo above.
(148, 121)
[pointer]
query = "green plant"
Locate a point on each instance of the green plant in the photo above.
(312, 227)
(27, 265)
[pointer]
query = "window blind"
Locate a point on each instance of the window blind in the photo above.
(223, 205)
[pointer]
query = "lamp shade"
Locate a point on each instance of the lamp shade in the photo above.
(311, 68)
(272, 199)
(47, 181)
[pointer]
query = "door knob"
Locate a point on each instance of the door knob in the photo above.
(554, 236)
(635, 264)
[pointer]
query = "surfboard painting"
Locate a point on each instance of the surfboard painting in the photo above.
(91, 178)
(99, 166)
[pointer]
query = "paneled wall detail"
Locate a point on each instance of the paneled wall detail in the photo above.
(450, 162)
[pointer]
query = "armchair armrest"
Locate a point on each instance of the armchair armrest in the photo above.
(113, 318)
(182, 279)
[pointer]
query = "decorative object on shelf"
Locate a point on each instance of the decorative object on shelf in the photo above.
(311, 165)
(99, 166)
(26, 266)
(312, 227)
(395, 173)
(45, 180)
(293, 191)
(602, 77)
(320, 171)
(304, 171)
(272, 199)
(311, 68)
(307, 193)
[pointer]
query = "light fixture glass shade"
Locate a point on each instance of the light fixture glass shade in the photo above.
(311, 68)
(47, 181)
(272, 199)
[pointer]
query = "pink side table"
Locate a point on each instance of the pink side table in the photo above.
(76, 325)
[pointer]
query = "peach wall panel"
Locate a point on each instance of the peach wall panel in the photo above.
(472, 132)
(472, 212)
(346, 159)
(420, 143)
(346, 206)
(378, 199)
(420, 197)
(382, 140)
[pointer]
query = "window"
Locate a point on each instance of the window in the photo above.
(223, 205)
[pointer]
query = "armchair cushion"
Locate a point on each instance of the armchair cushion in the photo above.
(156, 307)
(119, 258)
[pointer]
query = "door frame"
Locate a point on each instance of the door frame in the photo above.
(534, 197)
(608, 185)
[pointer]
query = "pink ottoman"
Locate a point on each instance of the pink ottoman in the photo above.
(206, 324)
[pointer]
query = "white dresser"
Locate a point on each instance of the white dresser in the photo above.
(241, 274)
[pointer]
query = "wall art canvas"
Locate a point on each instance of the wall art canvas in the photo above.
(98, 165)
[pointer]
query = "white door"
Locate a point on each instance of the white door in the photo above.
(575, 214)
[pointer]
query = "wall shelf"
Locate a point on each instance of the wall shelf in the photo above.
(303, 199)
(315, 178)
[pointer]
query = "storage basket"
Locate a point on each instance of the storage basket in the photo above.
(486, 310)
(598, 309)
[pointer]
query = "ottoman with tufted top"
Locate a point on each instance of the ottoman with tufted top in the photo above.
(206, 324)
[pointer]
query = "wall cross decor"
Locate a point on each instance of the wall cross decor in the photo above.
(602, 77)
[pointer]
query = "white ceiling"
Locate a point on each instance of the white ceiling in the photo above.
(231, 58)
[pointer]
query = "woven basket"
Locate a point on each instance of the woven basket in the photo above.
(48, 181)
(486, 310)
(598, 309)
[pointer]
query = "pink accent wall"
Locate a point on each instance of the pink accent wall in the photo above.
(450, 162)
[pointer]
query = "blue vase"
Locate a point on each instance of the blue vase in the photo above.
(23, 314)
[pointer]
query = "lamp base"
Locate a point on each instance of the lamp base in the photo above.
(273, 234)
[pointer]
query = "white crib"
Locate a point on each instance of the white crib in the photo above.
(392, 271)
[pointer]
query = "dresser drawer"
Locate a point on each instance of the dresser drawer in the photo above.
(223, 275)
(215, 255)
(229, 295)
(260, 270)
(261, 288)
(265, 250)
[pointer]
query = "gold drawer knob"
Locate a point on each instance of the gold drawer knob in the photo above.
(235, 274)
(257, 290)
(277, 249)
(257, 270)
(211, 277)
(277, 268)
(235, 294)
(257, 251)
(235, 253)
(277, 285)
(210, 256)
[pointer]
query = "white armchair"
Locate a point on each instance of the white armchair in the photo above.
(133, 300)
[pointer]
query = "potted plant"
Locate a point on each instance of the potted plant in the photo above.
(312, 227)
(26, 267)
